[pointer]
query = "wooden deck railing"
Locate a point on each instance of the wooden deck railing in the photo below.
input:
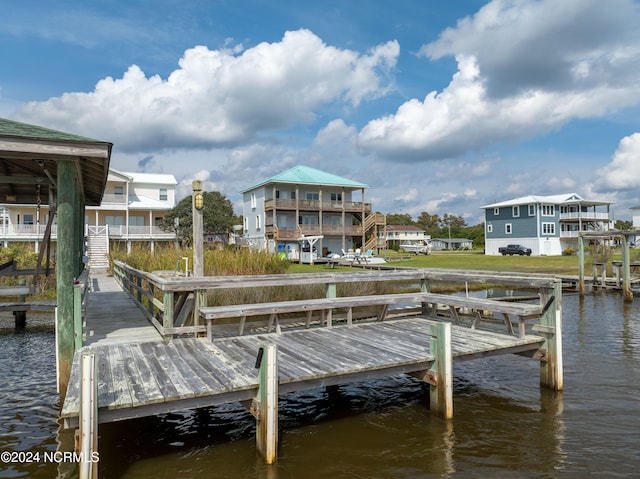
(174, 303)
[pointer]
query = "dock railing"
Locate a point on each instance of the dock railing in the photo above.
(177, 304)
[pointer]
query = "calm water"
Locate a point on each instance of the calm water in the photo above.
(504, 425)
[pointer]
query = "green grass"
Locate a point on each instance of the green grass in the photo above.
(471, 260)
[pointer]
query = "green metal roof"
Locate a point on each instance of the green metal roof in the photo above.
(24, 130)
(304, 175)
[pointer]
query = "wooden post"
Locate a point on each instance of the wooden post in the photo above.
(88, 433)
(425, 287)
(65, 269)
(197, 200)
(550, 327)
(626, 271)
(20, 317)
(441, 393)
(77, 315)
(265, 407)
(167, 317)
(581, 265)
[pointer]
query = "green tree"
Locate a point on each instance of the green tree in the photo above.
(403, 219)
(428, 222)
(217, 217)
(623, 225)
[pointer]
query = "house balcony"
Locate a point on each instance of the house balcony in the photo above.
(316, 205)
(584, 216)
(312, 230)
(113, 199)
(140, 233)
(36, 233)
(25, 232)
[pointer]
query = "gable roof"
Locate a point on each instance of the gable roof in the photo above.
(304, 175)
(566, 198)
(404, 228)
(148, 178)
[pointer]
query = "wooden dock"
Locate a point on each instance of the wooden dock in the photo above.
(147, 378)
(143, 365)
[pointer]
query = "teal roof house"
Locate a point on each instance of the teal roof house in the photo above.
(546, 224)
(303, 202)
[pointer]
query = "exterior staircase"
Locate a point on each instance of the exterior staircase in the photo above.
(98, 247)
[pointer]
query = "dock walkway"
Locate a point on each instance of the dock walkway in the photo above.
(112, 317)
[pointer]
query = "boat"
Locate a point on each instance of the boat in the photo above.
(416, 248)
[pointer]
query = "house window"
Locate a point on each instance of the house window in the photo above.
(496, 211)
(164, 195)
(136, 220)
(548, 228)
(312, 196)
(516, 211)
(548, 210)
(27, 219)
(308, 220)
(254, 200)
(118, 190)
(508, 229)
(532, 210)
(114, 220)
(246, 224)
(336, 196)
(258, 222)
(489, 228)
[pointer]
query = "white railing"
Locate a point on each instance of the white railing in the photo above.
(36, 232)
(140, 232)
(585, 216)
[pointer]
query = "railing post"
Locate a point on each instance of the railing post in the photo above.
(167, 318)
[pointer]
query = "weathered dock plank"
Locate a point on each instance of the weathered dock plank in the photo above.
(196, 368)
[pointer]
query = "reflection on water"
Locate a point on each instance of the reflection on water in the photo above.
(504, 426)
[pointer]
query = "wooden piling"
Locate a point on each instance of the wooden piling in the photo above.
(550, 327)
(266, 406)
(441, 377)
(21, 316)
(88, 433)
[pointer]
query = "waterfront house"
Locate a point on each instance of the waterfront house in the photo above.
(305, 202)
(440, 244)
(131, 207)
(546, 224)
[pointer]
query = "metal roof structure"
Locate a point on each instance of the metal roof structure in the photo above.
(304, 175)
(28, 163)
(562, 199)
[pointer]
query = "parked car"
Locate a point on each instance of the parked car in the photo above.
(512, 249)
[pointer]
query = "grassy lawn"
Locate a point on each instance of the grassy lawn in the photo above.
(471, 260)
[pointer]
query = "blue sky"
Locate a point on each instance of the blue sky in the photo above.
(437, 106)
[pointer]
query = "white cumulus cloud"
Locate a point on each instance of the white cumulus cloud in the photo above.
(221, 97)
(524, 68)
(624, 170)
